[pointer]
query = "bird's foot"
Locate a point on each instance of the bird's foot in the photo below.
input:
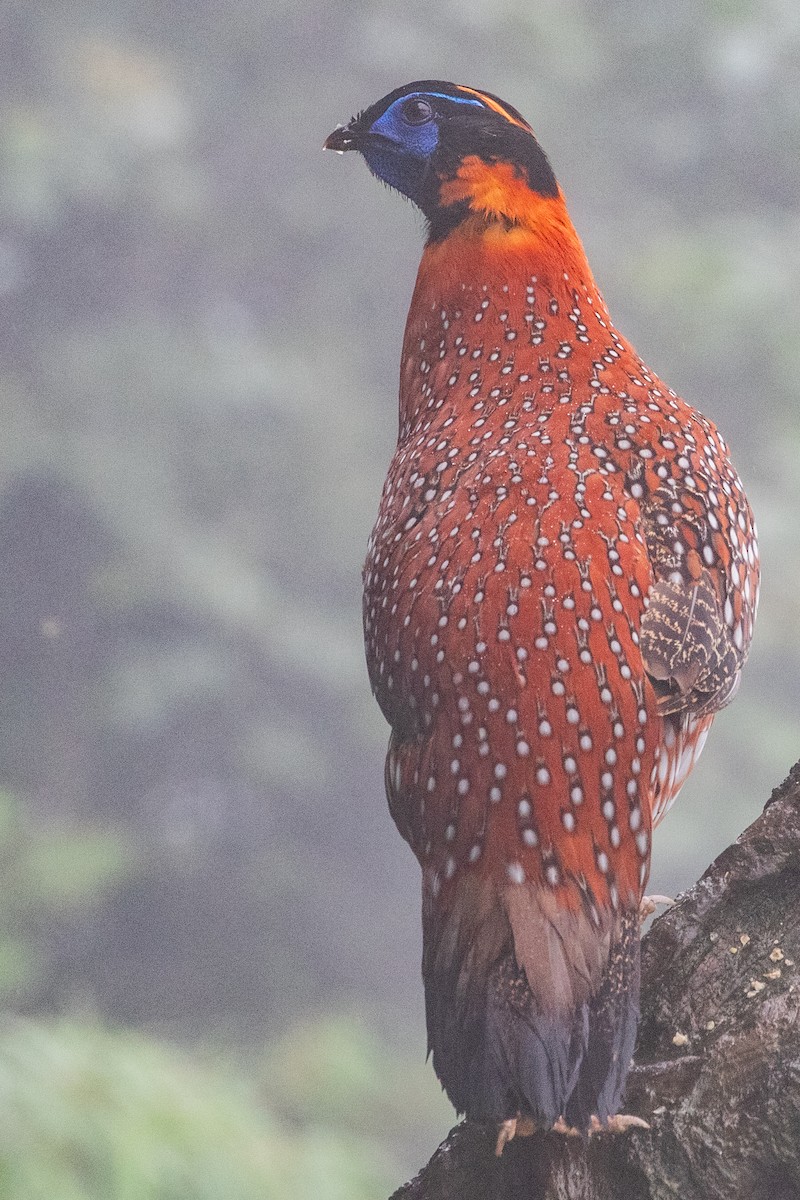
(620, 1123)
(525, 1127)
(513, 1127)
(649, 904)
(506, 1132)
(616, 1124)
(561, 1126)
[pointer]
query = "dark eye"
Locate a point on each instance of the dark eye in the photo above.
(416, 111)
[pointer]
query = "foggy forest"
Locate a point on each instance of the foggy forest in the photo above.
(209, 926)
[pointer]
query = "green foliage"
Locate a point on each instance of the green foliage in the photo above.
(90, 1114)
(52, 874)
(337, 1072)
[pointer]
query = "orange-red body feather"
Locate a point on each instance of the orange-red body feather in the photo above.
(559, 594)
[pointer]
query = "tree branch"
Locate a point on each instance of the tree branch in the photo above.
(717, 1071)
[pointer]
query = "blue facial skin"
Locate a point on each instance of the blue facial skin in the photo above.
(400, 151)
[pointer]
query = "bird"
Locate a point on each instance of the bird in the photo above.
(559, 596)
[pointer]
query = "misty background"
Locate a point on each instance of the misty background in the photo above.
(209, 927)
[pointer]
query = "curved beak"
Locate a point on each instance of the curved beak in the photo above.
(343, 138)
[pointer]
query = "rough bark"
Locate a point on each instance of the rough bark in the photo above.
(717, 1071)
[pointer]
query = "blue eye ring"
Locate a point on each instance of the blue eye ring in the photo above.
(416, 111)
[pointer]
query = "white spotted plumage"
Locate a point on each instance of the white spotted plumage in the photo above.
(540, 487)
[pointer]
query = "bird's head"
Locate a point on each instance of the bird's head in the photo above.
(454, 151)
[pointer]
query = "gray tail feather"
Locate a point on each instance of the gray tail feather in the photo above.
(613, 1021)
(498, 1054)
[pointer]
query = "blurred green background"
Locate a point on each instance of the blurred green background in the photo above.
(209, 928)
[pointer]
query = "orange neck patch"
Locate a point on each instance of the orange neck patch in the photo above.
(507, 217)
(497, 191)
